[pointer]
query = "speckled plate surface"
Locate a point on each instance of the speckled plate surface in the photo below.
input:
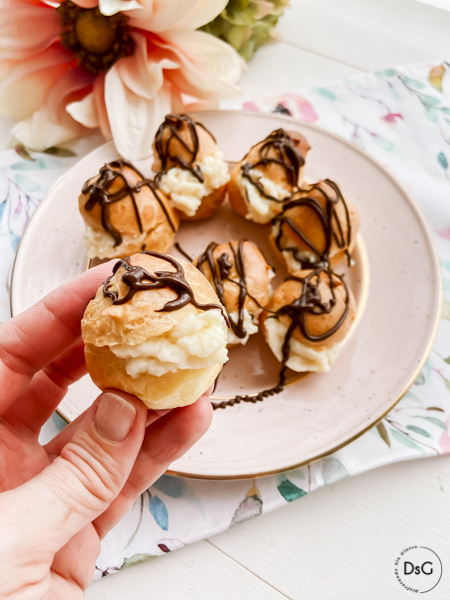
(314, 415)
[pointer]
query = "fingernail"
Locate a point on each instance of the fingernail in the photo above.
(114, 417)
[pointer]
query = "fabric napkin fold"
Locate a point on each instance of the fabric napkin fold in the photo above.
(401, 116)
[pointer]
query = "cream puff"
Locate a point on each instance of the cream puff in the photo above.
(155, 329)
(189, 167)
(317, 226)
(307, 318)
(268, 175)
(124, 213)
(241, 277)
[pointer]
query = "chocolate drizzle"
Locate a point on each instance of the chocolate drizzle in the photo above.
(221, 272)
(139, 279)
(280, 149)
(99, 192)
(309, 302)
(329, 220)
(173, 124)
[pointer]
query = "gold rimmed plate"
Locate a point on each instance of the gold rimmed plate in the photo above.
(397, 310)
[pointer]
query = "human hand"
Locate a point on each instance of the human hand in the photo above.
(59, 500)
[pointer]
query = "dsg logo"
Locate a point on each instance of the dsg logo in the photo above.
(418, 569)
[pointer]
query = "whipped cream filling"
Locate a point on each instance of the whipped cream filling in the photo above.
(249, 326)
(101, 244)
(199, 341)
(186, 191)
(260, 209)
(301, 357)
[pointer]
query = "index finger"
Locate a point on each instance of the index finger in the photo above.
(32, 339)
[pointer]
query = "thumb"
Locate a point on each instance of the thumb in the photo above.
(90, 472)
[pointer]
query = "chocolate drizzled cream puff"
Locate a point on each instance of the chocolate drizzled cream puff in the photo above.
(124, 213)
(190, 169)
(307, 318)
(316, 227)
(240, 275)
(155, 329)
(268, 176)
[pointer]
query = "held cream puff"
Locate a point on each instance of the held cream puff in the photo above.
(317, 226)
(125, 213)
(155, 329)
(240, 275)
(268, 176)
(307, 318)
(190, 169)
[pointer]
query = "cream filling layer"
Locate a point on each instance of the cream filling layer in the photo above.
(260, 209)
(249, 327)
(101, 244)
(199, 341)
(301, 357)
(186, 191)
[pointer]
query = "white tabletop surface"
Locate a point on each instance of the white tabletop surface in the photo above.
(341, 541)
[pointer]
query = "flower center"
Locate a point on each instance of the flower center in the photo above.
(96, 41)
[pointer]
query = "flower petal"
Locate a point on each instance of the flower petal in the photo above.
(209, 68)
(188, 14)
(142, 73)
(91, 110)
(28, 83)
(134, 119)
(41, 132)
(26, 30)
(86, 3)
(111, 7)
(84, 111)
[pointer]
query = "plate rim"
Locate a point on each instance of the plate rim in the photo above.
(429, 235)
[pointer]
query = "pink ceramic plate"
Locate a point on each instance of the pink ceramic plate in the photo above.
(319, 413)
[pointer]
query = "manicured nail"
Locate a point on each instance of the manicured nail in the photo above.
(114, 418)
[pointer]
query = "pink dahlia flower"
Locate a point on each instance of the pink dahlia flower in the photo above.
(117, 65)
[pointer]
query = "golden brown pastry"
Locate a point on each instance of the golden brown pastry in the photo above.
(307, 318)
(268, 175)
(190, 169)
(316, 226)
(155, 329)
(241, 277)
(124, 213)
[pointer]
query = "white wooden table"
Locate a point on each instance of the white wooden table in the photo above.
(341, 541)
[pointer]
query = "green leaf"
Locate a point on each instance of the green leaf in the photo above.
(383, 143)
(431, 114)
(289, 491)
(26, 183)
(383, 433)
(413, 83)
(429, 101)
(442, 160)
(387, 73)
(446, 310)
(333, 470)
(437, 407)
(404, 439)
(63, 152)
(435, 421)
(418, 430)
(24, 153)
(135, 560)
(445, 110)
(326, 93)
(420, 380)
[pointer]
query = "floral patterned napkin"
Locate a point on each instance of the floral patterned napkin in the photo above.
(402, 117)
